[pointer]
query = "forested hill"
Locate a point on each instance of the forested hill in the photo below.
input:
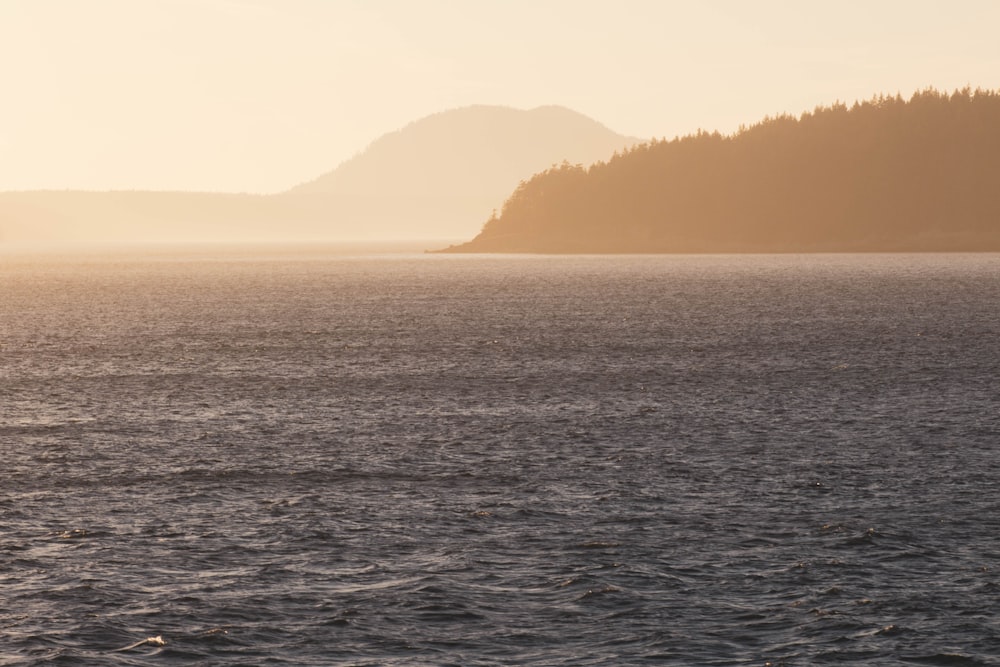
(884, 175)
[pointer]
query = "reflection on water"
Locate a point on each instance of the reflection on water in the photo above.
(404, 458)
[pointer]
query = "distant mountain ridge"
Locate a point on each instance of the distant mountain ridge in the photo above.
(888, 175)
(438, 177)
(475, 151)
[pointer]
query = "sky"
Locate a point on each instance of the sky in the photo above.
(260, 95)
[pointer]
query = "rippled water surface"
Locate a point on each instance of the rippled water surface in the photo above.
(249, 457)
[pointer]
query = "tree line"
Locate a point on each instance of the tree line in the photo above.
(886, 174)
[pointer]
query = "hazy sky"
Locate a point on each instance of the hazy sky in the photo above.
(258, 95)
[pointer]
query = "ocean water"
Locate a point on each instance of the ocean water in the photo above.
(282, 457)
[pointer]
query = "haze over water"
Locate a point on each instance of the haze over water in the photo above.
(312, 458)
(356, 454)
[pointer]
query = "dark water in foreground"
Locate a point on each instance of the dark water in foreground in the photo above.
(315, 460)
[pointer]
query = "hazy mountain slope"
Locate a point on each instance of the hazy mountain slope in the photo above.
(883, 175)
(442, 175)
(134, 216)
(470, 152)
(438, 177)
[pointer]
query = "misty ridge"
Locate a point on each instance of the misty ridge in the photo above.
(887, 175)
(437, 178)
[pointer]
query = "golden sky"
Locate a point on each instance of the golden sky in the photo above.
(258, 95)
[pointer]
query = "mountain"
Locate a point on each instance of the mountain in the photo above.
(886, 175)
(443, 174)
(438, 177)
(479, 151)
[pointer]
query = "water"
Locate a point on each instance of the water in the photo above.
(304, 458)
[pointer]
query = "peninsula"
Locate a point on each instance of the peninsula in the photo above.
(884, 175)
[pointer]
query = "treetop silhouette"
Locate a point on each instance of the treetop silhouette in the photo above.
(886, 174)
